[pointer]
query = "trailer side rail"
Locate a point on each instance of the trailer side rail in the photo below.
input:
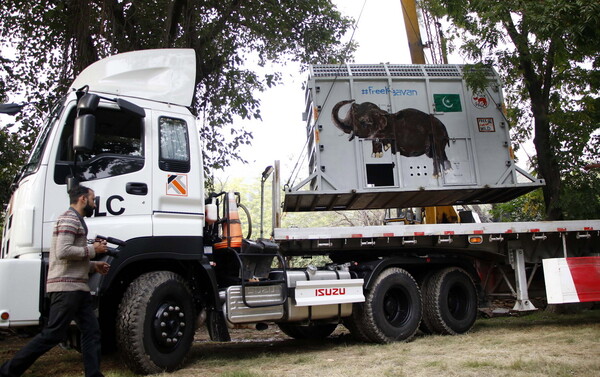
(585, 228)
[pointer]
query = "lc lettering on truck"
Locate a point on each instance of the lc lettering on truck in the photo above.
(113, 208)
(330, 291)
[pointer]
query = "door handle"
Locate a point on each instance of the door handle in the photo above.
(136, 188)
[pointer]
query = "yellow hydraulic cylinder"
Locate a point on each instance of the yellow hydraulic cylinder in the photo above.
(413, 33)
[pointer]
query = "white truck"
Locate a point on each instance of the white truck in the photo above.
(124, 130)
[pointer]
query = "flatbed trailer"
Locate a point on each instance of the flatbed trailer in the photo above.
(491, 249)
(385, 136)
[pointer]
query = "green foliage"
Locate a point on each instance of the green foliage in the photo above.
(528, 207)
(580, 198)
(581, 195)
(11, 158)
(303, 262)
(54, 40)
(477, 76)
(548, 55)
(250, 197)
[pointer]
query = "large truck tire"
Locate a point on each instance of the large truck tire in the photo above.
(355, 323)
(310, 332)
(393, 307)
(156, 323)
(449, 302)
(424, 286)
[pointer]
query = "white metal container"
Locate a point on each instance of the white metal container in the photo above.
(453, 149)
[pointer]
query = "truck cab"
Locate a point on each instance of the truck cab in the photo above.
(149, 189)
(125, 131)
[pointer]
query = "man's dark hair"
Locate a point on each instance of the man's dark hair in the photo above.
(76, 192)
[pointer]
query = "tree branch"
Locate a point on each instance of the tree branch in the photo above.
(525, 58)
(547, 83)
(176, 8)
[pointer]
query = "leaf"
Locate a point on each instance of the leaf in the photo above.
(548, 55)
(54, 41)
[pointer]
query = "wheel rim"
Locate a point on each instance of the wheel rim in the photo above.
(458, 301)
(396, 307)
(168, 326)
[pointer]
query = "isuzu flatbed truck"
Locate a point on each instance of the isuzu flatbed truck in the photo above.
(125, 131)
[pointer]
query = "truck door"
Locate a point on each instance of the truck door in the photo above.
(116, 169)
(178, 196)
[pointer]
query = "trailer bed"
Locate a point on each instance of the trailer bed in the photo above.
(539, 239)
(423, 230)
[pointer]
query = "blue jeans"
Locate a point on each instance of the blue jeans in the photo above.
(64, 308)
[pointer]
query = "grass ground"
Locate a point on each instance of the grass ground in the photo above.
(540, 344)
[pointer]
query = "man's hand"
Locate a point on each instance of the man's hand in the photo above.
(100, 246)
(101, 267)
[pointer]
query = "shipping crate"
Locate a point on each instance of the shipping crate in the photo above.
(405, 136)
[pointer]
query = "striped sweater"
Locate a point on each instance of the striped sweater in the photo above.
(70, 255)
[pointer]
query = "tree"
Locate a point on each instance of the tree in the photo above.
(12, 148)
(55, 40)
(11, 158)
(250, 197)
(548, 55)
(528, 207)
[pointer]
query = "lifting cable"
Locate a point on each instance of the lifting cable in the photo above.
(296, 170)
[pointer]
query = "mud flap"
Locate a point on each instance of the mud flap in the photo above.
(217, 327)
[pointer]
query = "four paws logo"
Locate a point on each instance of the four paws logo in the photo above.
(480, 101)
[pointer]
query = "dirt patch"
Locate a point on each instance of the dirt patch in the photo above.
(540, 344)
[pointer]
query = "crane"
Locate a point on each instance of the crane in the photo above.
(435, 38)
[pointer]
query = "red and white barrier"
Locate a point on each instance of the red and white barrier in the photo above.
(572, 279)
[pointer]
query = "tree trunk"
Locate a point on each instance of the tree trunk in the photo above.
(173, 17)
(547, 164)
(83, 50)
(538, 83)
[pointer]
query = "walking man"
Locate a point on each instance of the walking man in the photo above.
(68, 290)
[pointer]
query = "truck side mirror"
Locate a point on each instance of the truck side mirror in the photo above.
(85, 123)
(88, 104)
(83, 133)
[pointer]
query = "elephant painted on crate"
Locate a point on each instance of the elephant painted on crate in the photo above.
(410, 132)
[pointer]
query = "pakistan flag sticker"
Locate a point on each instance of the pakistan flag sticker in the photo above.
(447, 103)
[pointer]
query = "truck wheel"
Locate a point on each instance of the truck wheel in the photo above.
(311, 332)
(450, 302)
(392, 309)
(356, 323)
(155, 325)
(425, 327)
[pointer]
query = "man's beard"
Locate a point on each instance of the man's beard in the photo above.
(88, 210)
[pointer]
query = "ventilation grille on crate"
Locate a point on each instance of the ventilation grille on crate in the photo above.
(387, 70)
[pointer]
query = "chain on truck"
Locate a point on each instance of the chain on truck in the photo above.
(124, 129)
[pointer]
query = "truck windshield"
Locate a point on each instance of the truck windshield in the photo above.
(118, 147)
(40, 144)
